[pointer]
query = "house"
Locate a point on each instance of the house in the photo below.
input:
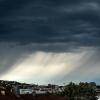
(21, 90)
(40, 92)
(97, 90)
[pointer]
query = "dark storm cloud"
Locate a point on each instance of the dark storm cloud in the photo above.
(50, 26)
(50, 21)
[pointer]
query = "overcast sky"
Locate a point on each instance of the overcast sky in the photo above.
(50, 41)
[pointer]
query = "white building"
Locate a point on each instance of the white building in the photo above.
(25, 91)
(40, 92)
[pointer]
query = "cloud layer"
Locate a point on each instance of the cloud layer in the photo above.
(50, 36)
(58, 68)
(50, 21)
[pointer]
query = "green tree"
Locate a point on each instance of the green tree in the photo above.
(71, 90)
(82, 90)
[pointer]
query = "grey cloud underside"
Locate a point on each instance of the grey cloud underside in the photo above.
(50, 21)
(87, 70)
(9, 55)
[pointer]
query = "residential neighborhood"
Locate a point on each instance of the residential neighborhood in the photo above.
(24, 90)
(21, 89)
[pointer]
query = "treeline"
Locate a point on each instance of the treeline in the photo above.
(81, 91)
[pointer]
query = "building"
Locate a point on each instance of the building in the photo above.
(2, 91)
(25, 91)
(97, 90)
